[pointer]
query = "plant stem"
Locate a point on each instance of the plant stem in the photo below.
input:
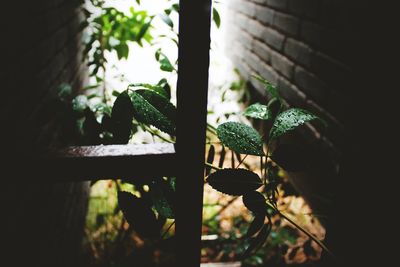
(157, 134)
(311, 236)
(212, 166)
(212, 129)
(240, 163)
(166, 231)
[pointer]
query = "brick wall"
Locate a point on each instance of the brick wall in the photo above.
(306, 48)
(301, 46)
(40, 49)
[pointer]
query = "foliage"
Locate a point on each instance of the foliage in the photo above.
(243, 139)
(112, 30)
(149, 107)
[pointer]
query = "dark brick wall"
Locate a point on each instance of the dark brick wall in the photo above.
(306, 48)
(300, 45)
(40, 49)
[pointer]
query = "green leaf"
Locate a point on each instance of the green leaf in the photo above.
(163, 83)
(162, 87)
(257, 242)
(161, 103)
(64, 92)
(121, 118)
(163, 197)
(157, 54)
(255, 202)
(122, 51)
(255, 225)
(268, 86)
(148, 114)
(289, 120)
(258, 111)
(216, 18)
(176, 7)
(234, 182)
(139, 215)
(143, 31)
(240, 138)
(166, 65)
(167, 20)
(79, 104)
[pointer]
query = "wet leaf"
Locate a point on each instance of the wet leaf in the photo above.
(146, 113)
(163, 198)
(161, 103)
(258, 111)
(240, 138)
(234, 182)
(289, 120)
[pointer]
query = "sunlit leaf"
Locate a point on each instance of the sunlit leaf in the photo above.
(122, 51)
(145, 27)
(167, 20)
(216, 18)
(258, 111)
(166, 65)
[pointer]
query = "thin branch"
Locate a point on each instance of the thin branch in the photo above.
(240, 163)
(212, 166)
(158, 135)
(311, 236)
(166, 231)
